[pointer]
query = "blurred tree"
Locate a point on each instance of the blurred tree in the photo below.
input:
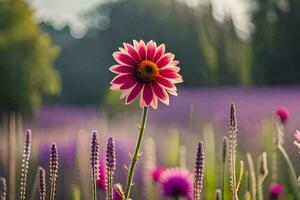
(210, 52)
(26, 59)
(275, 42)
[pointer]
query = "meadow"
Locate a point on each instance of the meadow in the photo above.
(171, 139)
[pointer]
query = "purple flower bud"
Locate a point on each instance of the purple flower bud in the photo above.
(275, 190)
(110, 154)
(53, 169)
(95, 154)
(26, 157)
(199, 171)
(42, 183)
(282, 113)
(3, 189)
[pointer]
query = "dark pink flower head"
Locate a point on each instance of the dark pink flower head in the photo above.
(282, 113)
(156, 173)
(297, 136)
(177, 182)
(102, 174)
(275, 190)
(145, 70)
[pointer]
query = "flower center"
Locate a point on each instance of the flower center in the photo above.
(147, 71)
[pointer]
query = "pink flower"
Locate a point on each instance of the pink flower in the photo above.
(101, 181)
(145, 70)
(156, 172)
(275, 190)
(282, 113)
(177, 182)
(297, 136)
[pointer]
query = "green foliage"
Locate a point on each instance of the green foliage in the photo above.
(26, 59)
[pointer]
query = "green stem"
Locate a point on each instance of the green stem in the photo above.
(52, 192)
(135, 156)
(293, 175)
(94, 187)
(223, 182)
(109, 186)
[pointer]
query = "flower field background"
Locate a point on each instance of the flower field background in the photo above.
(149, 99)
(172, 134)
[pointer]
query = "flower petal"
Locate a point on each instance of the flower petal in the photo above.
(169, 73)
(165, 60)
(122, 69)
(132, 52)
(154, 103)
(129, 84)
(123, 78)
(160, 93)
(142, 50)
(159, 52)
(165, 82)
(147, 94)
(134, 92)
(151, 48)
(124, 58)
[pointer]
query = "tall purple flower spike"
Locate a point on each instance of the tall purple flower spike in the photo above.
(199, 171)
(110, 166)
(53, 169)
(25, 161)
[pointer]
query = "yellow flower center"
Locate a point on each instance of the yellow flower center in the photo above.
(147, 71)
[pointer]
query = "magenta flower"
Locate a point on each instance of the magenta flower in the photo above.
(145, 70)
(275, 190)
(282, 113)
(177, 182)
(101, 180)
(156, 173)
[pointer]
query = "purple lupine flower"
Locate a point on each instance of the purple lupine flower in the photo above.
(199, 171)
(110, 166)
(26, 156)
(275, 190)
(42, 183)
(118, 192)
(95, 154)
(53, 169)
(177, 182)
(110, 154)
(282, 113)
(3, 188)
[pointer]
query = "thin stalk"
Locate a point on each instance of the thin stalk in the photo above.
(293, 175)
(136, 154)
(109, 185)
(94, 187)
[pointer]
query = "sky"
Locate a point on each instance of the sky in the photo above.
(65, 12)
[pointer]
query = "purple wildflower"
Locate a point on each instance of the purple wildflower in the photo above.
(199, 171)
(53, 169)
(110, 166)
(177, 182)
(26, 156)
(42, 183)
(3, 188)
(94, 154)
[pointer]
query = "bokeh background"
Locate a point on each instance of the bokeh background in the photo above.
(54, 77)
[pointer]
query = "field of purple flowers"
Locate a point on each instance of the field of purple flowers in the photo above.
(169, 149)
